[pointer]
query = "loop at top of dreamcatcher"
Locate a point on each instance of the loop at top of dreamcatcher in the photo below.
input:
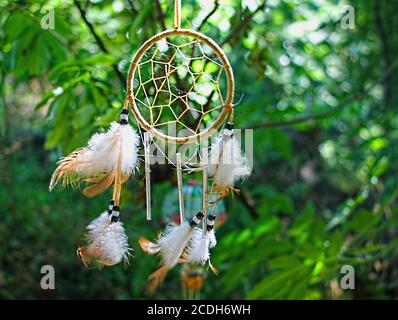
(180, 85)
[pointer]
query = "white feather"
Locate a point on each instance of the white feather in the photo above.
(114, 245)
(198, 248)
(97, 226)
(108, 239)
(212, 238)
(101, 154)
(173, 242)
(130, 142)
(227, 163)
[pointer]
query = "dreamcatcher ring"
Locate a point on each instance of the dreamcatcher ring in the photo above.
(148, 122)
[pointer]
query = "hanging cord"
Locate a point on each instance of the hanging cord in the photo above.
(118, 176)
(179, 182)
(205, 206)
(177, 14)
(231, 113)
(147, 144)
(126, 104)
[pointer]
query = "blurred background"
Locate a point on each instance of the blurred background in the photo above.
(317, 83)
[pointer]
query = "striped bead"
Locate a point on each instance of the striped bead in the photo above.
(196, 219)
(210, 222)
(229, 126)
(110, 207)
(124, 116)
(115, 213)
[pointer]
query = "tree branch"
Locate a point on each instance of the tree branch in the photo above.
(315, 116)
(248, 202)
(213, 11)
(131, 4)
(243, 25)
(98, 39)
(161, 16)
(384, 46)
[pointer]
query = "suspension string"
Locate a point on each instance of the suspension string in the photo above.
(177, 14)
(126, 103)
(179, 182)
(147, 143)
(213, 208)
(231, 115)
(204, 199)
(118, 179)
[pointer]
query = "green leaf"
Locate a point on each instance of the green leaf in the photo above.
(83, 117)
(277, 281)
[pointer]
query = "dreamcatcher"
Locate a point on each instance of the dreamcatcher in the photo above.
(180, 90)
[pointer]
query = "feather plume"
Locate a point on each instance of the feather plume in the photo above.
(227, 163)
(96, 163)
(171, 246)
(106, 242)
(212, 238)
(198, 249)
(148, 246)
(173, 242)
(100, 184)
(157, 278)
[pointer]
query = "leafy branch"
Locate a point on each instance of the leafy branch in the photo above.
(244, 23)
(360, 94)
(161, 15)
(209, 15)
(98, 39)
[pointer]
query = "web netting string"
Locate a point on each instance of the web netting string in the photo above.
(180, 85)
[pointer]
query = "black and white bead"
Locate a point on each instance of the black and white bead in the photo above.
(229, 129)
(115, 213)
(210, 222)
(124, 116)
(196, 219)
(110, 207)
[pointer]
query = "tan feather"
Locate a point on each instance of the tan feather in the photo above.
(95, 162)
(88, 254)
(213, 269)
(91, 254)
(65, 170)
(148, 246)
(100, 186)
(157, 278)
(125, 177)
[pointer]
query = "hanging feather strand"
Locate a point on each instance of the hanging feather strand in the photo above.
(96, 163)
(106, 240)
(198, 251)
(170, 246)
(227, 163)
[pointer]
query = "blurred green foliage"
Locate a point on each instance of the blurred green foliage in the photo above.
(323, 191)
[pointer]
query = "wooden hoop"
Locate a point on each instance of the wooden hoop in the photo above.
(228, 105)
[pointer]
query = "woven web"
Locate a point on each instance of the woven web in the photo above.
(180, 84)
